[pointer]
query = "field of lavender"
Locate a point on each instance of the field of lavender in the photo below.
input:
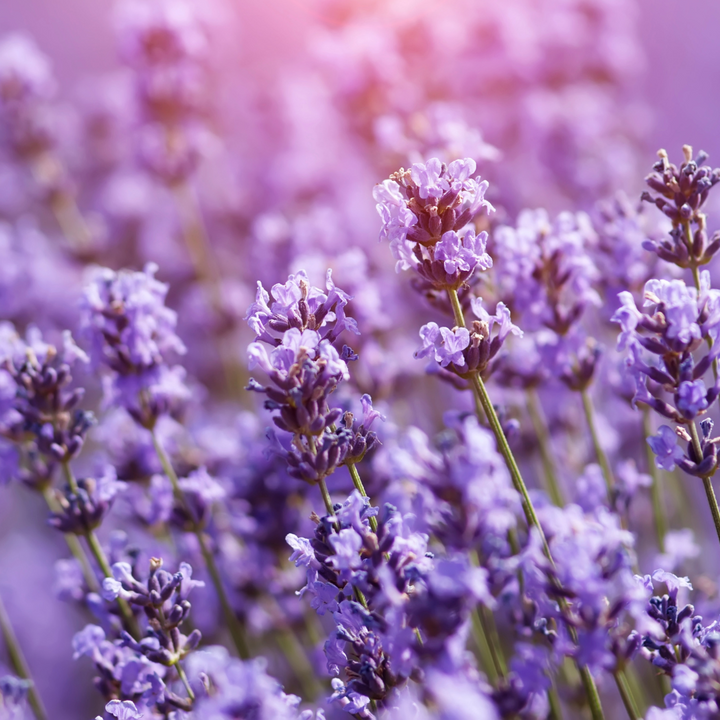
(256, 464)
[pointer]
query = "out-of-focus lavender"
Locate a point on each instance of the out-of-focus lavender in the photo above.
(255, 463)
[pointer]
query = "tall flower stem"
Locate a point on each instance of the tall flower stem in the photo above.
(74, 545)
(19, 664)
(481, 393)
(627, 696)
(659, 518)
(539, 423)
(487, 638)
(98, 553)
(236, 631)
(358, 483)
(183, 677)
(326, 497)
(707, 480)
(600, 453)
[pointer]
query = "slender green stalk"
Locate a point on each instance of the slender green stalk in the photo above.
(537, 417)
(555, 707)
(599, 451)
(707, 482)
(659, 518)
(486, 656)
(487, 637)
(592, 693)
(236, 630)
(358, 483)
(74, 545)
(99, 554)
(19, 664)
(301, 666)
(627, 696)
(326, 497)
(183, 677)
(481, 393)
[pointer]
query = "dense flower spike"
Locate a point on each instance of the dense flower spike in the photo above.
(305, 369)
(681, 194)
(425, 213)
(39, 409)
(132, 333)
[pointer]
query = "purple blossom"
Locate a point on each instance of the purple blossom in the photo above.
(665, 447)
(463, 252)
(692, 398)
(444, 344)
(123, 710)
(678, 304)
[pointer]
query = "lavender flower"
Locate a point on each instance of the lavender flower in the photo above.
(38, 411)
(424, 212)
(681, 193)
(132, 333)
(464, 351)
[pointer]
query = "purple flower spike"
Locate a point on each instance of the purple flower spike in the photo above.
(665, 447)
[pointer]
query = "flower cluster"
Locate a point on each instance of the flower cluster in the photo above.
(132, 333)
(40, 413)
(305, 368)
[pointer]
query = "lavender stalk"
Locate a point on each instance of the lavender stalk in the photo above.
(17, 658)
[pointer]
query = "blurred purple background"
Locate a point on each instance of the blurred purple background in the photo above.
(679, 40)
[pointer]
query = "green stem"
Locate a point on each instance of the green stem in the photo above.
(19, 664)
(236, 630)
(626, 695)
(183, 677)
(98, 553)
(707, 482)
(659, 518)
(74, 545)
(358, 483)
(599, 451)
(326, 497)
(592, 693)
(537, 417)
(299, 662)
(486, 656)
(554, 701)
(481, 393)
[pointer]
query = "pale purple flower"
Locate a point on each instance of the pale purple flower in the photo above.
(87, 640)
(444, 344)
(501, 319)
(679, 306)
(123, 710)
(346, 544)
(463, 251)
(665, 447)
(692, 398)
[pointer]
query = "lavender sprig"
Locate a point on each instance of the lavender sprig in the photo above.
(434, 196)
